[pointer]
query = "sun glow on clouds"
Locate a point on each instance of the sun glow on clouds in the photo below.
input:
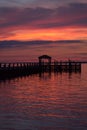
(48, 34)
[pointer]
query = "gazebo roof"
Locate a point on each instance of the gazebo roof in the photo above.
(44, 56)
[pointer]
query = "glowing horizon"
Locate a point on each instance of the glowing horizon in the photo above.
(48, 34)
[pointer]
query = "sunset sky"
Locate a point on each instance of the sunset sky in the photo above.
(24, 21)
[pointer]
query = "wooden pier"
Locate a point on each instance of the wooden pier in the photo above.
(10, 70)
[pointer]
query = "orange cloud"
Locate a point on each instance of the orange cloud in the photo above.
(48, 34)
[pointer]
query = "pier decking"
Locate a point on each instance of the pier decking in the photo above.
(10, 70)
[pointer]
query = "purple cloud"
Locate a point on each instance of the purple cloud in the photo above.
(14, 18)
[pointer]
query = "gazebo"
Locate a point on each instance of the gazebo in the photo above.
(44, 57)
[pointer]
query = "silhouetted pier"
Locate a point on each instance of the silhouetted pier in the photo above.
(10, 70)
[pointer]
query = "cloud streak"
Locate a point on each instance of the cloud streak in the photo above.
(22, 44)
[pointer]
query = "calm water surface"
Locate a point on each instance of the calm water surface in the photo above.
(46, 102)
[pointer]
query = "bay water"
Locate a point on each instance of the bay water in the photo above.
(55, 101)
